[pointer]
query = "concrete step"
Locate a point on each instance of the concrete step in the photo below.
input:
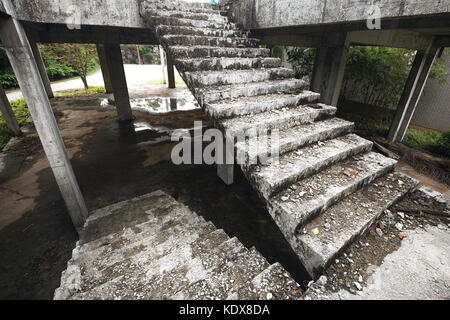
(272, 178)
(228, 279)
(209, 16)
(200, 79)
(274, 283)
(276, 119)
(338, 226)
(216, 64)
(173, 21)
(304, 200)
(191, 31)
(257, 104)
(183, 40)
(189, 52)
(185, 6)
(293, 138)
(213, 94)
(92, 268)
(182, 272)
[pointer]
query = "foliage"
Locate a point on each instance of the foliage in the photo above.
(82, 58)
(375, 74)
(58, 71)
(302, 60)
(21, 112)
(437, 143)
(80, 92)
(8, 79)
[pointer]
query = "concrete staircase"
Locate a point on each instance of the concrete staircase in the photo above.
(153, 247)
(328, 186)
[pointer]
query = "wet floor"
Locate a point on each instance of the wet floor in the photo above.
(115, 162)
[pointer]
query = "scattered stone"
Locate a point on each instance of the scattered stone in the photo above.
(360, 279)
(401, 214)
(322, 280)
(379, 232)
(285, 198)
(399, 226)
(269, 296)
(358, 285)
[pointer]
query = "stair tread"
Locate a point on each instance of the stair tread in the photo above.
(209, 16)
(223, 77)
(223, 42)
(306, 198)
(273, 283)
(257, 104)
(296, 137)
(350, 218)
(275, 119)
(301, 163)
(214, 51)
(221, 92)
(184, 30)
(205, 64)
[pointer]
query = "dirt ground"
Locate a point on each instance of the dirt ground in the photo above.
(115, 162)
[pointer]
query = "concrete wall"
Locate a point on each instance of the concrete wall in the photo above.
(433, 110)
(255, 14)
(118, 13)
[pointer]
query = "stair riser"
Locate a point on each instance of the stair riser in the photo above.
(217, 52)
(170, 21)
(217, 64)
(269, 190)
(208, 41)
(294, 144)
(315, 263)
(188, 15)
(251, 91)
(189, 31)
(206, 79)
(258, 107)
(179, 5)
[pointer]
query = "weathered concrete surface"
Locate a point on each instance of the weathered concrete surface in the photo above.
(152, 247)
(255, 14)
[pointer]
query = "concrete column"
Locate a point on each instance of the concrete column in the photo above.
(170, 73)
(413, 90)
(8, 114)
(41, 66)
(114, 63)
(328, 73)
(162, 56)
(225, 170)
(104, 67)
(21, 57)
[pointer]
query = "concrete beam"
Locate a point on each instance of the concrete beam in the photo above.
(22, 61)
(114, 63)
(413, 90)
(328, 73)
(391, 38)
(104, 67)
(170, 73)
(42, 71)
(8, 114)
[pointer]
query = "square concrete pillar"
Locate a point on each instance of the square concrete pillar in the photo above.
(42, 71)
(170, 72)
(8, 114)
(329, 69)
(21, 57)
(104, 67)
(412, 92)
(114, 63)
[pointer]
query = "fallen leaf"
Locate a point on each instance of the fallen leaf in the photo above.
(381, 225)
(400, 235)
(351, 173)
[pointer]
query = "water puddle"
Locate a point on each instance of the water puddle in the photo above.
(157, 104)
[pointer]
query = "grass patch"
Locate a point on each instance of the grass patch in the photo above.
(437, 143)
(80, 92)
(21, 112)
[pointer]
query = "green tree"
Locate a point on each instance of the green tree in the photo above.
(82, 58)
